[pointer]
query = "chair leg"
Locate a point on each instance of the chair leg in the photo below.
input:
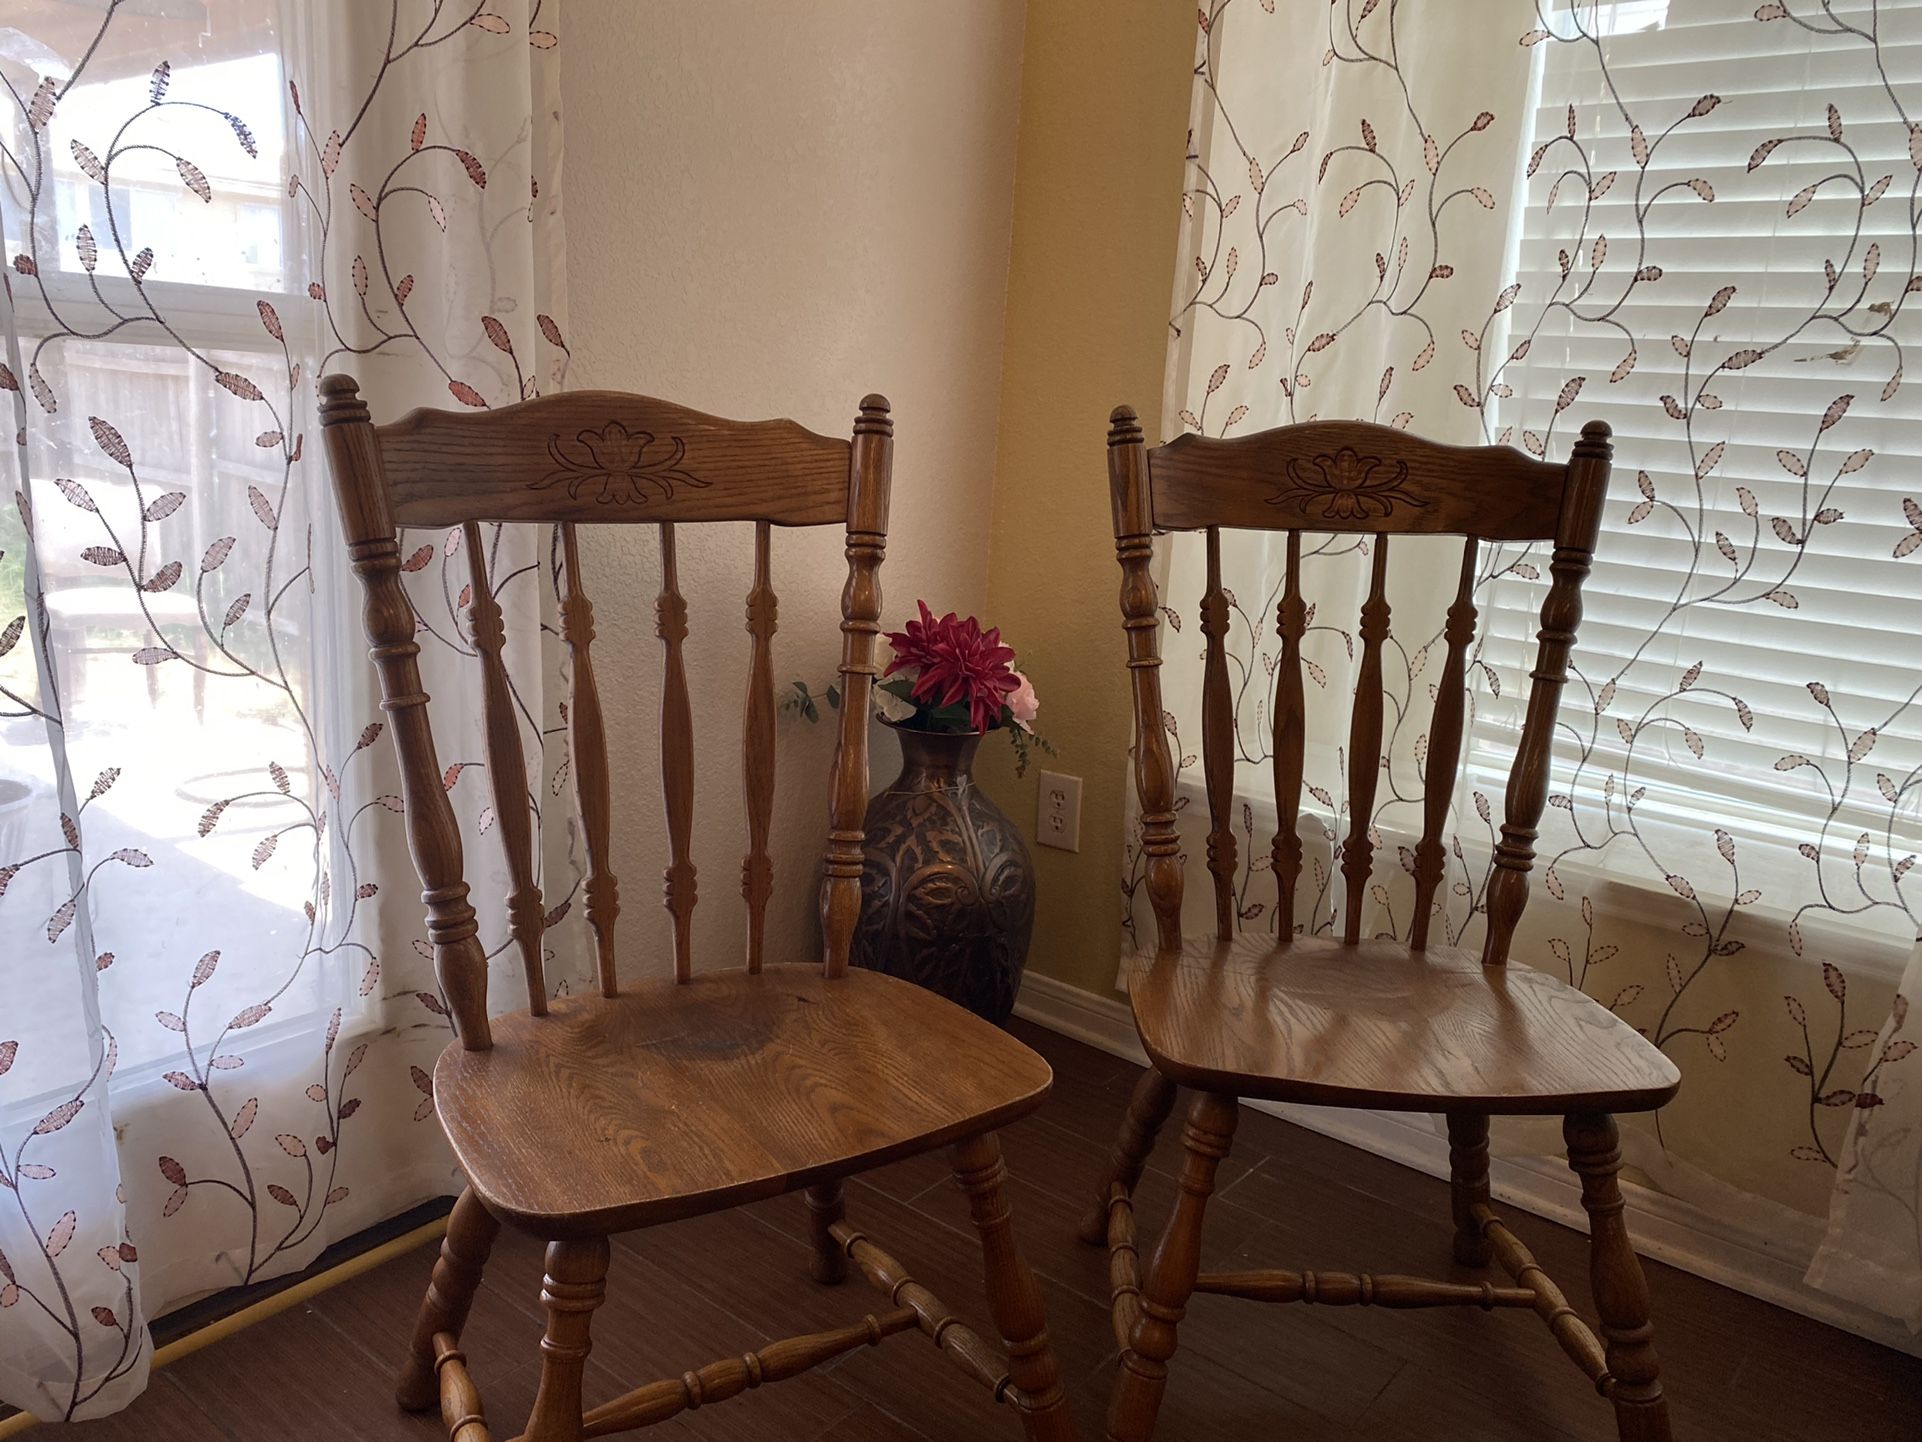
(471, 1230)
(1468, 1185)
(1171, 1274)
(575, 1285)
(1154, 1098)
(1615, 1275)
(829, 1264)
(1014, 1298)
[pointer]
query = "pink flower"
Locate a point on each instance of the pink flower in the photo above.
(1023, 702)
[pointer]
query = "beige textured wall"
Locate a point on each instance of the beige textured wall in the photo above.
(772, 210)
(1104, 107)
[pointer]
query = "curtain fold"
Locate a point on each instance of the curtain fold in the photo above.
(218, 1018)
(1696, 220)
(1872, 1251)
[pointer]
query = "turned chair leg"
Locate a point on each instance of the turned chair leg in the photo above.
(1171, 1274)
(1615, 1274)
(1014, 1298)
(576, 1283)
(1468, 1185)
(829, 1264)
(1154, 1098)
(471, 1230)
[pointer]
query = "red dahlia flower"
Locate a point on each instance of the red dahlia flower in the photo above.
(957, 662)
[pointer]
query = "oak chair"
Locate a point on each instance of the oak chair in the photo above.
(581, 1117)
(1350, 1022)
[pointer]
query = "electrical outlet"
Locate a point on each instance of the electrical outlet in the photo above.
(1057, 819)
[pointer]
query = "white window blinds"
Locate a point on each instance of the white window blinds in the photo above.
(1732, 624)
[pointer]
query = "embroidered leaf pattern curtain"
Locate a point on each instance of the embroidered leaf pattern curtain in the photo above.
(217, 1013)
(1697, 220)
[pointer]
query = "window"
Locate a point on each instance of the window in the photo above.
(1723, 552)
(113, 260)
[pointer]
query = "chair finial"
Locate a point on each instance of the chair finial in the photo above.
(1123, 426)
(874, 419)
(340, 402)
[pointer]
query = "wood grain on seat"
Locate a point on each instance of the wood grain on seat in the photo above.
(1374, 1025)
(677, 1099)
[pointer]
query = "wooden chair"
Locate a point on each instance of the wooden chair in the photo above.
(591, 1115)
(1354, 1023)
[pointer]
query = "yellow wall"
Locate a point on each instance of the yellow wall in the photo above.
(1104, 114)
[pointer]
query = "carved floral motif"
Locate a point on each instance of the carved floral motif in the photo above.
(616, 461)
(1347, 486)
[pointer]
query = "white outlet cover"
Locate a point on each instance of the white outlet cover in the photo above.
(1057, 815)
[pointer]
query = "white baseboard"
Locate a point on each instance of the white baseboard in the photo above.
(1666, 1228)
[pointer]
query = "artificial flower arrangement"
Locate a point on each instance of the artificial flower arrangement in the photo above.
(948, 675)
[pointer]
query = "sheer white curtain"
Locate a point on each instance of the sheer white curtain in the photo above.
(217, 1018)
(1873, 1249)
(1696, 220)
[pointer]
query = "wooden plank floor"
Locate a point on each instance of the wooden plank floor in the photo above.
(687, 1294)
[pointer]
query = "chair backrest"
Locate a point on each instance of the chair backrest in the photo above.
(605, 456)
(1345, 477)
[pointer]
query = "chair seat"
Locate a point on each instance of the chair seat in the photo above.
(1377, 1026)
(672, 1100)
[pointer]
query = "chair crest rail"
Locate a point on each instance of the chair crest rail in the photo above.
(610, 457)
(1352, 476)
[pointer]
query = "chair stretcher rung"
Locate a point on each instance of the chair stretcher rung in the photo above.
(958, 1341)
(1361, 1289)
(1534, 1288)
(731, 1376)
(1124, 1265)
(460, 1403)
(1564, 1323)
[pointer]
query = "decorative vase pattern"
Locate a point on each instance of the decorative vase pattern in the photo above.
(947, 889)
